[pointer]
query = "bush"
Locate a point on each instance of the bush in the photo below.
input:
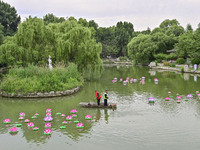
(41, 79)
(166, 63)
(195, 61)
(180, 61)
(123, 58)
(172, 56)
(182, 69)
(160, 56)
(172, 65)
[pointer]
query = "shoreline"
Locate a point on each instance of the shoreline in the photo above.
(174, 69)
(40, 94)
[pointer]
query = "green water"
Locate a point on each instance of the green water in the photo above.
(135, 124)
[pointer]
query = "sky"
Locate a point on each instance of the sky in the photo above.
(141, 13)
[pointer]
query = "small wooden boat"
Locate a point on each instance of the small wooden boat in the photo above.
(94, 105)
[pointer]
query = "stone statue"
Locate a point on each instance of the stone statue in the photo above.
(50, 63)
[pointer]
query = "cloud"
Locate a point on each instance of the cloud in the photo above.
(142, 13)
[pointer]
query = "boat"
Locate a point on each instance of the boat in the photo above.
(94, 105)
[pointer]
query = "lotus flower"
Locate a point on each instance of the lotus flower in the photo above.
(48, 118)
(198, 94)
(178, 97)
(30, 124)
(47, 125)
(21, 118)
(6, 121)
(34, 117)
(79, 125)
(26, 120)
(73, 111)
(121, 80)
(47, 131)
(13, 130)
(69, 117)
(35, 128)
(167, 98)
(48, 114)
(64, 122)
(22, 114)
(155, 80)
(48, 110)
(87, 117)
(63, 115)
(36, 114)
(189, 96)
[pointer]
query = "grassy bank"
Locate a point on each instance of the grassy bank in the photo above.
(41, 79)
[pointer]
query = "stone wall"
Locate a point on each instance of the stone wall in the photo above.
(40, 94)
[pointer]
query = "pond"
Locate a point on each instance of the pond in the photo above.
(135, 124)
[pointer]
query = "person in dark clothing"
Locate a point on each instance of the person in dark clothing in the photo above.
(106, 98)
(98, 97)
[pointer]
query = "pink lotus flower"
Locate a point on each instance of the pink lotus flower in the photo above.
(198, 94)
(63, 115)
(178, 97)
(80, 124)
(36, 114)
(48, 110)
(47, 131)
(26, 120)
(74, 115)
(13, 129)
(169, 92)
(6, 120)
(48, 114)
(64, 122)
(167, 98)
(88, 117)
(30, 124)
(22, 114)
(21, 118)
(69, 117)
(121, 79)
(73, 111)
(35, 128)
(47, 125)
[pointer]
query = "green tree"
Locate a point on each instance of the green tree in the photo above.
(51, 18)
(123, 34)
(141, 49)
(8, 18)
(1, 34)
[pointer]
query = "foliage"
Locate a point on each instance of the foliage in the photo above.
(51, 18)
(1, 34)
(41, 79)
(182, 69)
(8, 18)
(172, 65)
(123, 58)
(161, 56)
(67, 41)
(141, 48)
(195, 61)
(180, 61)
(166, 63)
(172, 56)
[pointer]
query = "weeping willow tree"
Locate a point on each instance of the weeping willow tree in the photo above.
(65, 42)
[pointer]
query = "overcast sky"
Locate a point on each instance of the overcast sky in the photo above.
(141, 13)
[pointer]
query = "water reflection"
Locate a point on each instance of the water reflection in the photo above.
(133, 114)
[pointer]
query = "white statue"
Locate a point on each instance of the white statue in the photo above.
(50, 61)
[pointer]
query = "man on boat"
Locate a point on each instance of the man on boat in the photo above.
(98, 97)
(106, 98)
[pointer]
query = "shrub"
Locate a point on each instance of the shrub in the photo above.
(172, 56)
(160, 56)
(182, 69)
(41, 79)
(166, 63)
(195, 61)
(180, 61)
(172, 65)
(123, 58)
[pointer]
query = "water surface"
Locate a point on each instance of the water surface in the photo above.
(135, 124)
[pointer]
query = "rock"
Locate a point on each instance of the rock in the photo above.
(40, 94)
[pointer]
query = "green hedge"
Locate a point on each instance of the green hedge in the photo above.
(41, 79)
